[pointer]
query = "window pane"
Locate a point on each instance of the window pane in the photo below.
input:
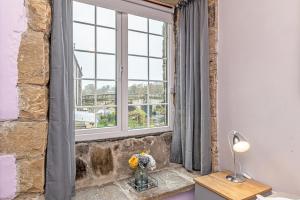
(137, 23)
(106, 17)
(157, 92)
(86, 91)
(83, 37)
(106, 117)
(137, 117)
(83, 12)
(156, 46)
(106, 40)
(158, 115)
(137, 67)
(85, 64)
(137, 43)
(106, 93)
(157, 69)
(106, 66)
(156, 27)
(84, 118)
(137, 92)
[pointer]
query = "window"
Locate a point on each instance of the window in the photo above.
(122, 73)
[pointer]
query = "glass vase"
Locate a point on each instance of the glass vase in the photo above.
(141, 179)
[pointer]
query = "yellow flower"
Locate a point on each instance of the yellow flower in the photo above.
(133, 162)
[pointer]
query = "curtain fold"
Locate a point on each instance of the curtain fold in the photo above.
(60, 160)
(191, 143)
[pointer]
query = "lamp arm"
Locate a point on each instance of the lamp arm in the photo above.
(235, 162)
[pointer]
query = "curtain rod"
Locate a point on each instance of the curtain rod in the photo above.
(161, 3)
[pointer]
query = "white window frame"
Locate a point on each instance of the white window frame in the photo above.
(121, 130)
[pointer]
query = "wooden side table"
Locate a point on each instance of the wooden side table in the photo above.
(215, 187)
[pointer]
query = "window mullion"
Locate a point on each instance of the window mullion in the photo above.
(124, 65)
(95, 81)
(119, 70)
(148, 88)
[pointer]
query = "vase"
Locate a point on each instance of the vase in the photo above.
(141, 179)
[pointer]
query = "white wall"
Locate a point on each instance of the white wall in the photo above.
(259, 87)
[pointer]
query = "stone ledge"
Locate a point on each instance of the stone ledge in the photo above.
(171, 181)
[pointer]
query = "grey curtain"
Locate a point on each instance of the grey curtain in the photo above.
(60, 161)
(191, 144)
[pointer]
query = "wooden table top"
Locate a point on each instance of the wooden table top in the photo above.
(217, 183)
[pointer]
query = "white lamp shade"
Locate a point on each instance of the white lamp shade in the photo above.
(241, 146)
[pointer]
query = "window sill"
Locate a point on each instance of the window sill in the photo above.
(92, 135)
(171, 182)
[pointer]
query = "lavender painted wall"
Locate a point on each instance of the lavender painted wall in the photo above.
(8, 180)
(12, 23)
(259, 87)
(190, 195)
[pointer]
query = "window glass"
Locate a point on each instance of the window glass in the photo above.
(106, 66)
(157, 92)
(158, 115)
(84, 118)
(114, 74)
(137, 92)
(106, 40)
(137, 67)
(83, 37)
(95, 69)
(147, 97)
(106, 93)
(156, 46)
(156, 27)
(157, 69)
(83, 12)
(106, 117)
(137, 23)
(137, 43)
(85, 64)
(137, 117)
(106, 17)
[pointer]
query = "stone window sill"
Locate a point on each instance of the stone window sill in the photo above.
(171, 181)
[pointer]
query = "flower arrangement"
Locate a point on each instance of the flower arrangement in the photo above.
(142, 161)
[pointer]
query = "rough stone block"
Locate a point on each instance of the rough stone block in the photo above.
(82, 149)
(33, 58)
(212, 40)
(34, 196)
(39, 15)
(108, 160)
(213, 108)
(33, 102)
(105, 192)
(213, 128)
(25, 139)
(102, 160)
(211, 15)
(81, 170)
(31, 175)
(213, 61)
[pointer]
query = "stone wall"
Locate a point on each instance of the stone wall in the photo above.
(102, 162)
(26, 136)
(213, 53)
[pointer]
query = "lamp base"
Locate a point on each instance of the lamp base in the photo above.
(236, 179)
